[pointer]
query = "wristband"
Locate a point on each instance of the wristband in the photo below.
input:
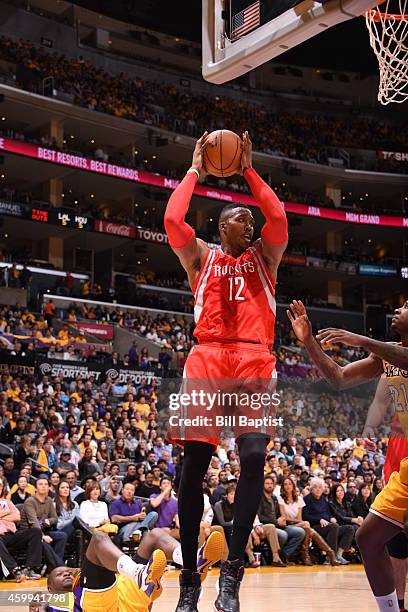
(194, 170)
(245, 169)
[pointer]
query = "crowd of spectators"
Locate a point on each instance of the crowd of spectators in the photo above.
(78, 449)
(298, 136)
(97, 452)
(27, 334)
(169, 331)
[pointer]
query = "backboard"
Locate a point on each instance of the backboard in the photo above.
(239, 35)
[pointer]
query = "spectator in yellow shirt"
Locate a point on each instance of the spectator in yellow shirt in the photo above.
(143, 407)
(63, 333)
(136, 422)
(13, 392)
(81, 338)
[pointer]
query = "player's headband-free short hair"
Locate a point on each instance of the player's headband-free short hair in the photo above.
(228, 208)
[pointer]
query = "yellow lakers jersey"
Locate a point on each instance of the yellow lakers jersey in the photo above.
(397, 380)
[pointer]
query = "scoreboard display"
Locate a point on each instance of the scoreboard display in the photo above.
(62, 217)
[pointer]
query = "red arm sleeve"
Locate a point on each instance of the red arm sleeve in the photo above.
(275, 230)
(178, 231)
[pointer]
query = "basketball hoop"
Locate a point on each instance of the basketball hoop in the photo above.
(388, 32)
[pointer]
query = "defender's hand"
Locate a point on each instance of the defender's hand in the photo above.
(332, 335)
(300, 321)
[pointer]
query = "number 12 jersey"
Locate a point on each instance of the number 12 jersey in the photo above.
(234, 298)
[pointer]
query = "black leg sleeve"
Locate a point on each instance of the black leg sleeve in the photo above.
(252, 449)
(197, 457)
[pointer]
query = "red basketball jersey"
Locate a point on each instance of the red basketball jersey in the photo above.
(235, 298)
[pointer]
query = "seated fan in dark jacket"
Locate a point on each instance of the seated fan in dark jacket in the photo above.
(319, 513)
(362, 503)
(341, 509)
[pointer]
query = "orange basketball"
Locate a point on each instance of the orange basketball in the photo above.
(222, 157)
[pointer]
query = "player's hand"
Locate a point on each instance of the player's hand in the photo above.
(333, 335)
(246, 157)
(300, 321)
(201, 144)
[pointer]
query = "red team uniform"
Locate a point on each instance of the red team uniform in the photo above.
(234, 299)
(234, 312)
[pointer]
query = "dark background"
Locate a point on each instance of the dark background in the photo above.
(344, 47)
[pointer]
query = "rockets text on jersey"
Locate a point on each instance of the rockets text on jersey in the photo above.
(235, 298)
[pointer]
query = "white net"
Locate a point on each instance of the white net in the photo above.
(388, 28)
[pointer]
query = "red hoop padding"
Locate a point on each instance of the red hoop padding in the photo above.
(377, 16)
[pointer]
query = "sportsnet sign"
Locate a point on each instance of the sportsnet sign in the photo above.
(69, 370)
(396, 156)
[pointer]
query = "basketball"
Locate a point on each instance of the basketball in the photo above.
(222, 157)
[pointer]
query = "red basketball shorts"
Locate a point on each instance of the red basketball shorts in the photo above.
(397, 450)
(236, 382)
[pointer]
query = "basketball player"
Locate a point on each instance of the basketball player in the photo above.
(235, 319)
(397, 450)
(96, 585)
(387, 513)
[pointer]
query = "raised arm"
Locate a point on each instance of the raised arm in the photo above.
(352, 374)
(395, 354)
(274, 234)
(378, 408)
(190, 250)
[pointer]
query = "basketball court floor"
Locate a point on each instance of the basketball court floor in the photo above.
(294, 589)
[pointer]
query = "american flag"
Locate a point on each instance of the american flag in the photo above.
(246, 20)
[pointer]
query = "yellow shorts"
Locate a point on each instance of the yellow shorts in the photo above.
(392, 502)
(124, 596)
(130, 597)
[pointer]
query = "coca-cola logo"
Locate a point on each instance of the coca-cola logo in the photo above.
(120, 230)
(114, 228)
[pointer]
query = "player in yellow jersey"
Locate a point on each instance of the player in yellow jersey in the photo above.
(96, 588)
(386, 518)
(391, 391)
